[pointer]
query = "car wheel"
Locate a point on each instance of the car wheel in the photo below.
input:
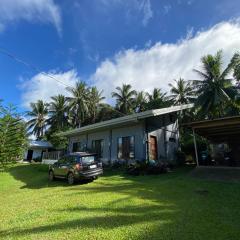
(70, 178)
(51, 176)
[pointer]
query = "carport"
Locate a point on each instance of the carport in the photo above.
(225, 131)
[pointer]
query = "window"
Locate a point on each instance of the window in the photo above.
(126, 148)
(97, 146)
(72, 159)
(88, 159)
(78, 147)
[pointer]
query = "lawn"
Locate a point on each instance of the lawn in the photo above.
(116, 206)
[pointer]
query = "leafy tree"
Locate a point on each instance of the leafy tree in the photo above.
(181, 92)
(125, 98)
(95, 99)
(37, 125)
(215, 89)
(58, 111)
(107, 112)
(13, 136)
(78, 103)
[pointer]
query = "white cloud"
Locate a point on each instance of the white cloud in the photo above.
(44, 11)
(146, 8)
(154, 66)
(161, 63)
(43, 87)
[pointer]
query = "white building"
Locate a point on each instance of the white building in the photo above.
(36, 149)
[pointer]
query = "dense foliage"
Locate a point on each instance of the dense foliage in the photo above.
(13, 136)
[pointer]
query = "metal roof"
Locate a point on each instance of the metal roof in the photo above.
(39, 144)
(218, 130)
(133, 118)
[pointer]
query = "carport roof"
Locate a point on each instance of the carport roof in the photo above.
(218, 130)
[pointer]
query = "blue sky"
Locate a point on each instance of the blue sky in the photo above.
(147, 43)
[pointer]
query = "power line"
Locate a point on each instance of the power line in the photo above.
(17, 59)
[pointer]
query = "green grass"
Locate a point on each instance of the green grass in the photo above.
(117, 206)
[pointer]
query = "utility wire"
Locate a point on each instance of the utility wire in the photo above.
(3, 51)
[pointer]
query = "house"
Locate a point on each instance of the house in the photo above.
(36, 149)
(152, 134)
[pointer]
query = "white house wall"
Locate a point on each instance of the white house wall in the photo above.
(163, 127)
(137, 131)
(105, 136)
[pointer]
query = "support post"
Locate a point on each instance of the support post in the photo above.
(195, 146)
(110, 146)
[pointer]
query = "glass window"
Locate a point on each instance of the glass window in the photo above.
(78, 147)
(72, 159)
(88, 159)
(120, 148)
(97, 147)
(126, 147)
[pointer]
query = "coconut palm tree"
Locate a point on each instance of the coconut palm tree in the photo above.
(78, 103)
(156, 94)
(215, 89)
(125, 97)
(39, 118)
(58, 110)
(236, 69)
(140, 101)
(181, 92)
(157, 99)
(95, 99)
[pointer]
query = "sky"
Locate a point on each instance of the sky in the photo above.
(146, 43)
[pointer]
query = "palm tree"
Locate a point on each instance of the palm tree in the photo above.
(156, 94)
(125, 98)
(157, 99)
(214, 89)
(39, 118)
(140, 101)
(58, 112)
(181, 92)
(236, 68)
(78, 103)
(95, 99)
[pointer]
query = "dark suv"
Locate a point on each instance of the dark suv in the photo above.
(76, 166)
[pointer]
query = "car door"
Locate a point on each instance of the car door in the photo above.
(60, 169)
(64, 166)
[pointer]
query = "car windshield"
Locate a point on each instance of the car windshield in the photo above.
(88, 159)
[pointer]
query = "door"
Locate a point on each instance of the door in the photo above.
(61, 167)
(153, 154)
(29, 155)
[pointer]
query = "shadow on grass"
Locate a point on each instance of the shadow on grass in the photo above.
(35, 176)
(125, 217)
(165, 203)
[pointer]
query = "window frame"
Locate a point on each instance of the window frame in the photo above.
(130, 148)
(81, 147)
(101, 146)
